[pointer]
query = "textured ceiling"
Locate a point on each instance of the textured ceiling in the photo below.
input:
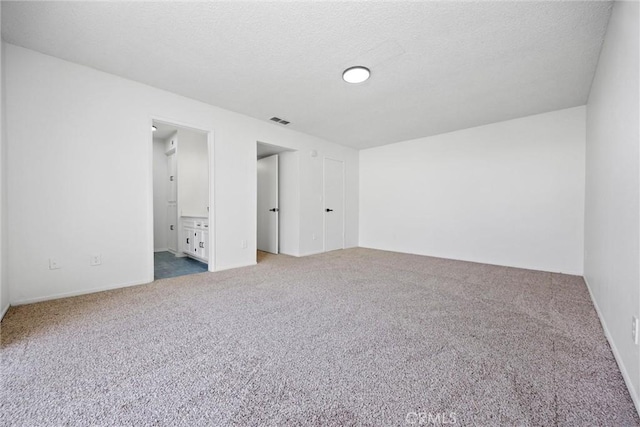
(436, 66)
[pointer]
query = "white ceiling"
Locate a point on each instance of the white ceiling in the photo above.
(436, 66)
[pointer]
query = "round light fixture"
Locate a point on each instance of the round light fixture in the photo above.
(357, 74)
(153, 128)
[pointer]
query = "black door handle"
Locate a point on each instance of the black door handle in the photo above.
(328, 210)
(274, 210)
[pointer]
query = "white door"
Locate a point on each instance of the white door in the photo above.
(268, 204)
(173, 178)
(333, 204)
(172, 220)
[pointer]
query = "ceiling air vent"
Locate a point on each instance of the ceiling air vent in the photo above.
(279, 120)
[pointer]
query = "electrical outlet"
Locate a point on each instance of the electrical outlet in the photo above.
(95, 260)
(53, 264)
(634, 329)
(243, 244)
(313, 236)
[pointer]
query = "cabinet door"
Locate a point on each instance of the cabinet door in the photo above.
(173, 178)
(196, 242)
(172, 219)
(187, 237)
(204, 242)
(201, 241)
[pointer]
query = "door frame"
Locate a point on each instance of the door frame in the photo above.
(324, 203)
(212, 206)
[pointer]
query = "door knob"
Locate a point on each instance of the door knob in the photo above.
(328, 210)
(274, 210)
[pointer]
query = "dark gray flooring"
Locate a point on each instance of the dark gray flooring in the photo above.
(166, 265)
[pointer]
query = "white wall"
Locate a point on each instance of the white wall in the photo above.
(193, 173)
(160, 194)
(4, 282)
(76, 205)
(509, 193)
(612, 214)
(289, 202)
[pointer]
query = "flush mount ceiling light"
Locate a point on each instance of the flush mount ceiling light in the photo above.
(153, 128)
(357, 74)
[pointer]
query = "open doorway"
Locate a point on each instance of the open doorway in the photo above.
(275, 200)
(180, 200)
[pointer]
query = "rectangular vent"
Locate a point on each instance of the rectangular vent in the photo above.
(279, 120)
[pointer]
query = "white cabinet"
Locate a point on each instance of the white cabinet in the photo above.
(195, 238)
(173, 178)
(172, 200)
(172, 219)
(172, 143)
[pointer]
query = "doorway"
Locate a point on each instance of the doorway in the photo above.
(268, 208)
(276, 200)
(181, 197)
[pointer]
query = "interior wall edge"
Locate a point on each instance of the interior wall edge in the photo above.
(4, 311)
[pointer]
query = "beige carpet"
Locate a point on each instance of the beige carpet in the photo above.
(353, 337)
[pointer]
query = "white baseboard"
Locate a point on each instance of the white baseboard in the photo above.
(479, 261)
(616, 354)
(230, 267)
(311, 253)
(290, 254)
(77, 293)
(4, 311)
(161, 250)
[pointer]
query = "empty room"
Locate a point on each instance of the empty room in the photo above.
(320, 213)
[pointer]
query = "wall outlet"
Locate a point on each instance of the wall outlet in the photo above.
(314, 237)
(634, 329)
(95, 260)
(243, 244)
(53, 264)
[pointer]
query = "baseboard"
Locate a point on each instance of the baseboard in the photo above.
(616, 354)
(231, 267)
(78, 293)
(289, 254)
(4, 311)
(161, 250)
(476, 261)
(311, 253)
